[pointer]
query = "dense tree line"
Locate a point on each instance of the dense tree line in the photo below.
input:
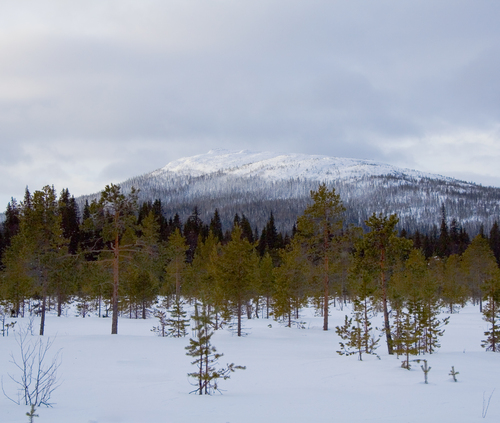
(119, 257)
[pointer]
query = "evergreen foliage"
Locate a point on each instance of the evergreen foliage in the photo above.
(491, 312)
(236, 270)
(177, 323)
(206, 357)
(358, 338)
(114, 217)
(377, 255)
(291, 288)
(319, 228)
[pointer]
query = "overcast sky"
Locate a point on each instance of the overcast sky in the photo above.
(94, 92)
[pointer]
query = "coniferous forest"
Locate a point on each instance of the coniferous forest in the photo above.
(119, 257)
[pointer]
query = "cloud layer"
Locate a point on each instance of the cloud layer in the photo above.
(94, 92)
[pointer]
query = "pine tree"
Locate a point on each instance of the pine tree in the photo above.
(320, 229)
(236, 271)
(206, 356)
(407, 340)
(177, 248)
(267, 282)
(491, 312)
(114, 217)
(358, 338)
(453, 288)
(479, 265)
(177, 323)
(291, 288)
(432, 326)
(37, 253)
(144, 272)
(377, 254)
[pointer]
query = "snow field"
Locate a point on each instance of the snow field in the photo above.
(292, 375)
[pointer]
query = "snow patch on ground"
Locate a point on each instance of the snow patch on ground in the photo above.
(293, 375)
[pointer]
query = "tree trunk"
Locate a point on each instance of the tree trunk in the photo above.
(387, 325)
(239, 317)
(325, 281)
(59, 305)
(325, 300)
(116, 280)
(42, 319)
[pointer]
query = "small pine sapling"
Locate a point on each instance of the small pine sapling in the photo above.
(177, 323)
(351, 335)
(432, 326)
(161, 328)
(31, 414)
(491, 314)
(84, 305)
(3, 319)
(426, 369)
(406, 344)
(454, 374)
(206, 356)
(358, 338)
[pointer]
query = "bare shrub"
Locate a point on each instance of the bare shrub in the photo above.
(38, 371)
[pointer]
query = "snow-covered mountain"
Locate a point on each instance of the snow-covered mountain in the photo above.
(256, 183)
(281, 167)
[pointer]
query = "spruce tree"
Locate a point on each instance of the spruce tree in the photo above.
(193, 228)
(216, 226)
(495, 241)
(443, 245)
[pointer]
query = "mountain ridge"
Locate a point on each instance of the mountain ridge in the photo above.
(255, 163)
(258, 183)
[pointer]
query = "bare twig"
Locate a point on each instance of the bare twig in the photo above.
(486, 404)
(38, 374)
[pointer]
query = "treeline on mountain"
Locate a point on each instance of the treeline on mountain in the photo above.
(416, 201)
(120, 257)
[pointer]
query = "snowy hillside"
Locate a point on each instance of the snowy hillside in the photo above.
(281, 167)
(258, 183)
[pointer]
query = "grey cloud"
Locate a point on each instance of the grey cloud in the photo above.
(315, 77)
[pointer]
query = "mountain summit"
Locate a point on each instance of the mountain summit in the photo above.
(281, 166)
(258, 183)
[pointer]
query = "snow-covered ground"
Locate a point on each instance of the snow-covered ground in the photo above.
(292, 375)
